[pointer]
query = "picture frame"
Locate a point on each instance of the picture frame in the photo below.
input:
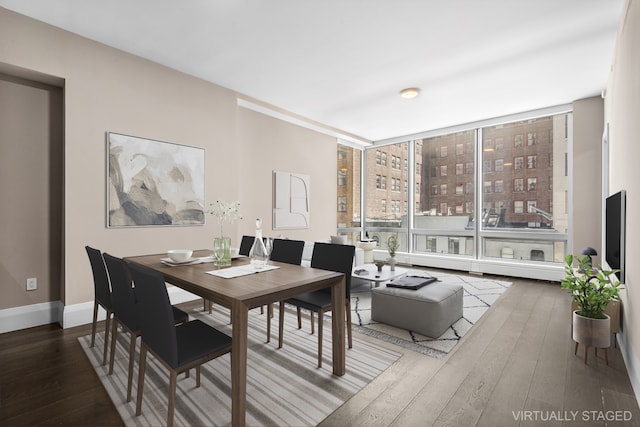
(153, 183)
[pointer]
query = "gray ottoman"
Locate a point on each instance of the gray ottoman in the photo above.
(429, 310)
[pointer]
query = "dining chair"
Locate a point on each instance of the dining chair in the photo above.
(125, 311)
(326, 256)
(102, 291)
(245, 245)
(290, 252)
(177, 347)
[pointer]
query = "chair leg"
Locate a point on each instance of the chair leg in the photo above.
(197, 376)
(132, 355)
(280, 323)
(141, 368)
(269, 316)
(106, 338)
(312, 324)
(95, 320)
(348, 308)
(173, 377)
(299, 318)
(320, 328)
(114, 335)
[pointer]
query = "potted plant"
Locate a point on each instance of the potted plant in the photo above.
(592, 289)
(392, 246)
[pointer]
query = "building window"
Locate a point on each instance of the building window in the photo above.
(531, 184)
(459, 189)
(531, 162)
(443, 189)
(443, 151)
(518, 141)
(383, 206)
(342, 154)
(468, 168)
(383, 182)
(434, 190)
(518, 184)
(459, 149)
(443, 170)
(342, 177)
(342, 204)
(531, 138)
(486, 166)
(498, 186)
(518, 206)
(378, 181)
(469, 188)
(499, 144)
(487, 186)
(518, 163)
(499, 165)
(459, 168)
(383, 159)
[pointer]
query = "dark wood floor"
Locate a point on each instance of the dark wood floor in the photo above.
(519, 357)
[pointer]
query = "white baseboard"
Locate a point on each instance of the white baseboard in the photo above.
(632, 362)
(28, 316)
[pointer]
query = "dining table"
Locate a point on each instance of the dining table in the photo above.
(255, 289)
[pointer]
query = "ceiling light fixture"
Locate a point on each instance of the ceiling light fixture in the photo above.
(410, 92)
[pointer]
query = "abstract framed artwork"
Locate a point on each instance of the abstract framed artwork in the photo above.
(291, 207)
(153, 183)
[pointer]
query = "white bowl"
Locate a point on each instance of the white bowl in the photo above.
(179, 255)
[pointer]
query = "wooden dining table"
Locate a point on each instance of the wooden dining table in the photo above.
(240, 294)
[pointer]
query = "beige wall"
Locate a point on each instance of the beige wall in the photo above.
(622, 110)
(108, 90)
(30, 191)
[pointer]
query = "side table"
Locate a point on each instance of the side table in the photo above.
(367, 247)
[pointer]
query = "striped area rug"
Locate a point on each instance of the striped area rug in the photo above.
(284, 386)
(479, 295)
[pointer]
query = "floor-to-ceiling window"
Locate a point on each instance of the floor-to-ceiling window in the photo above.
(493, 192)
(349, 191)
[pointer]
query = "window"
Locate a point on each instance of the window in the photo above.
(518, 141)
(499, 144)
(443, 189)
(383, 159)
(531, 162)
(443, 151)
(518, 184)
(383, 182)
(531, 138)
(486, 166)
(499, 165)
(459, 168)
(434, 190)
(498, 186)
(518, 206)
(342, 177)
(342, 154)
(443, 170)
(531, 184)
(469, 188)
(468, 168)
(518, 163)
(378, 181)
(530, 205)
(459, 189)
(459, 149)
(342, 204)
(383, 206)
(487, 186)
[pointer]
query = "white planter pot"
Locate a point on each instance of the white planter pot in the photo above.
(592, 332)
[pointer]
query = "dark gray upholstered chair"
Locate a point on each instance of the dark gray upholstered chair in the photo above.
(245, 245)
(290, 252)
(179, 348)
(102, 298)
(326, 256)
(125, 311)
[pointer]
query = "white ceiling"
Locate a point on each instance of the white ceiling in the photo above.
(343, 62)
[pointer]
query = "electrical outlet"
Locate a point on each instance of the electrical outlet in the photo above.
(32, 284)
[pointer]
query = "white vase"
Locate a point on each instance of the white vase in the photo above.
(591, 332)
(392, 263)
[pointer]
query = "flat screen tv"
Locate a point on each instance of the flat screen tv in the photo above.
(615, 213)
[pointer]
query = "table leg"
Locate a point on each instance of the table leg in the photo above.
(240, 321)
(337, 322)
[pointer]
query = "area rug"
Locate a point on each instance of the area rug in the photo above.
(284, 386)
(479, 295)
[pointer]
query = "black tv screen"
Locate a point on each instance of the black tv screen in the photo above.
(615, 210)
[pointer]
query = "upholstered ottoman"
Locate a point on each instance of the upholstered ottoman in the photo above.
(429, 310)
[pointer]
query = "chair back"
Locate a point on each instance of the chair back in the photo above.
(289, 251)
(100, 277)
(334, 257)
(157, 324)
(123, 297)
(245, 245)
